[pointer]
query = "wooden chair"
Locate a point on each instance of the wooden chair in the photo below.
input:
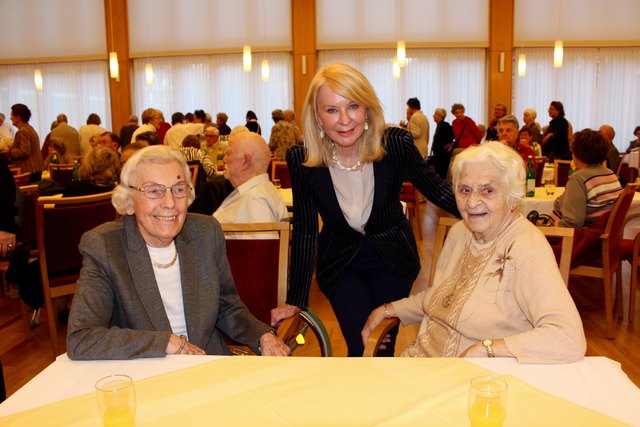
(15, 170)
(22, 179)
(60, 223)
(194, 168)
(630, 251)
(61, 174)
(408, 194)
(561, 172)
(27, 227)
(626, 173)
(605, 259)
(540, 162)
(259, 266)
(260, 272)
(444, 225)
(280, 170)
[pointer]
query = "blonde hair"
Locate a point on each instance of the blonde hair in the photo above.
(351, 84)
(101, 165)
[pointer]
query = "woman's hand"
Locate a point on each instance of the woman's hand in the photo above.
(374, 319)
(282, 312)
(271, 345)
(7, 243)
(181, 343)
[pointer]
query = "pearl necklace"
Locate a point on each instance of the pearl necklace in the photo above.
(336, 160)
(169, 264)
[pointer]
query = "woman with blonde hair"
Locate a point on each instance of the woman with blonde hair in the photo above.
(350, 172)
(98, 173)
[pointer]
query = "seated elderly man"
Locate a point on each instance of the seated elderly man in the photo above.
(254, 199)
(157, 281)
(508, 135)
(497, 291)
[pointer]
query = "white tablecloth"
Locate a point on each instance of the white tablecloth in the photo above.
(595, 382)
(632, 159)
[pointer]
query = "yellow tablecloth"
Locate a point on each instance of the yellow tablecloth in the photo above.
(317, 392)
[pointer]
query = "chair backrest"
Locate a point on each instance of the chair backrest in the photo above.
(260, 266)
(625, 172)
(280, 170)
(27, 230)
(564, 257)
(60, 224)
(22, 178)
(15, 170)
(62, 174)
(408, 192)
(540, 162)
(444, 225)
(561, 172)
(613, 230)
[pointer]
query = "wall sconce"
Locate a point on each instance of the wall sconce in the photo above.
(304, 65)
(558, 54)
(37, 77)
(148, 72)
(246, 58)
(265, 70)
(522, 65)
(114, 69)
(501, 63)
(401, 54)
(396, 69)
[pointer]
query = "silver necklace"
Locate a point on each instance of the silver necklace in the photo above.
(336, 160)
(169, 264)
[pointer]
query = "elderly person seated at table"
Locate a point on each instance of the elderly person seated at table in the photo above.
(591, 191)
(98, 173)
(193, 153)
(497, 289)
(157, 281)
(58, 146)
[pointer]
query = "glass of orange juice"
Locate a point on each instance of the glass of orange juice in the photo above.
(487, 401)
(116, 401)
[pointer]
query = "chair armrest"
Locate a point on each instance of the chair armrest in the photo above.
(378, 334)
(289, 328)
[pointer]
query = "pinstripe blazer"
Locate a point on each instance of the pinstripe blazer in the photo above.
(387, 229)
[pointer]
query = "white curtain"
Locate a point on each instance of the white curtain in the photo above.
(596, 86)
(437, 77)
(215, 83)
(73, 88)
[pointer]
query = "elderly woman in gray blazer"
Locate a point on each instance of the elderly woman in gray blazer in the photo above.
(157, 281)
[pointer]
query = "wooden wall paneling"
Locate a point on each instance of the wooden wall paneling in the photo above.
(501, 16)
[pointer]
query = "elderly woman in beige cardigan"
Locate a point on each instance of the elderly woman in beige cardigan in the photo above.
(497, 290)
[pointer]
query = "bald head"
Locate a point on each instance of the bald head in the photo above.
(247, 156)
(608, 133)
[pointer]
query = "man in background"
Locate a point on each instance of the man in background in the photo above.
(499, 111)
(68, 133)
(613, 155)
(508, 132)
(418, 125)
(127, 130)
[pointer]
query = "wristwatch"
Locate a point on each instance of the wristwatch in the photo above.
(488, 345)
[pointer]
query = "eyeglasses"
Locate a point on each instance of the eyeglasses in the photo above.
(157, 191)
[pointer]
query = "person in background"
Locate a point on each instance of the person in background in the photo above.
(497, 290)
(465, 132)
(151, 119)
(8, 210)
(366, 252)
(529, 118)
(213, 145)
(129, 150)
(45, 145)
(252, 123)
(87, 131)
(162, 129)
(636, 142)
(418, 125)
(555, 142)
(127, 130)
(525, 139)
(499, 111)
(238, 129)
(143, 289)
(69, 134)
(25, 150)
(99, 173)
(110, 140)
(147, 138)
(442, 142)
(290, 117)
(221, 123)
(508, 134)
(179, 130)
(282, 135)
(193, 153)
(254, 199)
(613, 155)
(6, 131)
(59, 146)
(591, 191)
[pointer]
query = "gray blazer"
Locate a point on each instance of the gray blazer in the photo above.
(117, 311)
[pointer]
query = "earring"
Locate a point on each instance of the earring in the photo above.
(366, 125)
(321, 131)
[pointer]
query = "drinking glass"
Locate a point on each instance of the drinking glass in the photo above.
(487, 401)
(116, 401)
(276, 183)
(549, 187)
